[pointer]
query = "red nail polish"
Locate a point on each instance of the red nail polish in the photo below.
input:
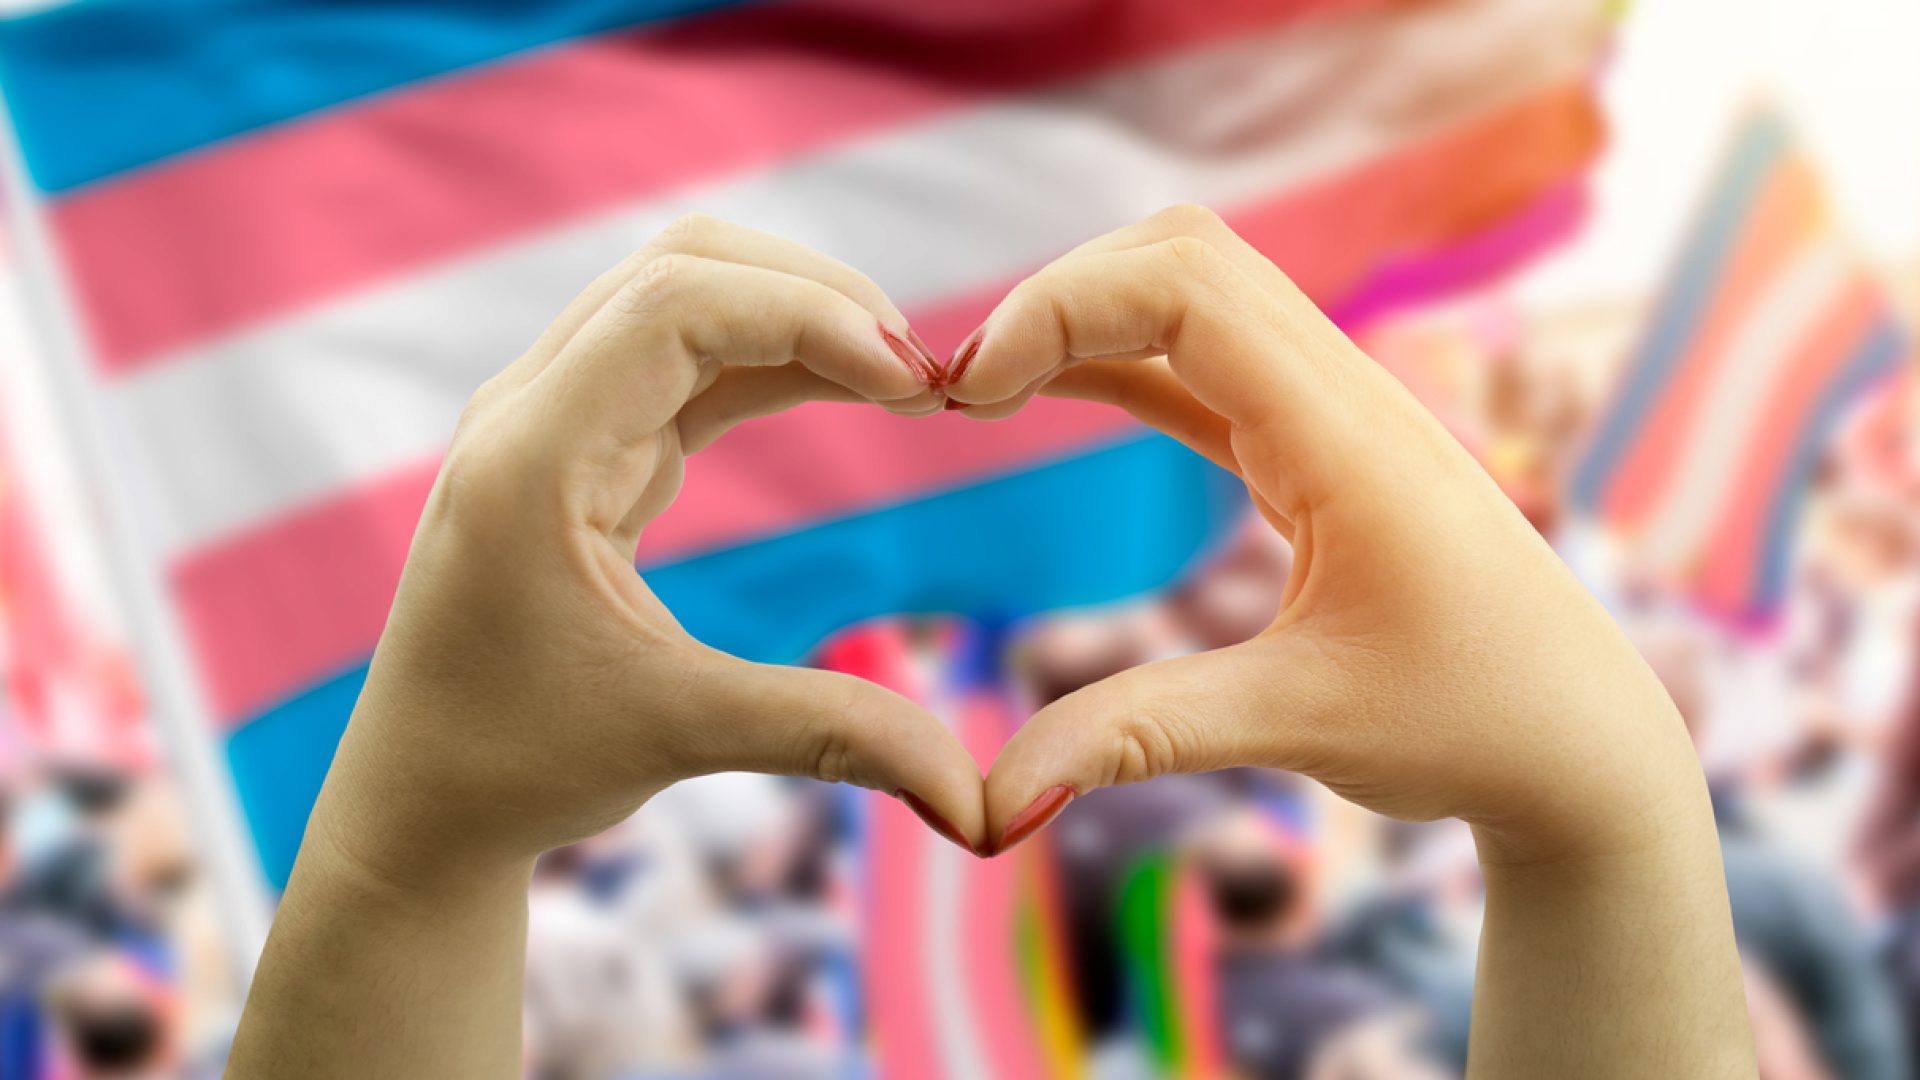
(933, 819)
(1038, 813)
(925, 353)
(963, 356)
(921, 368)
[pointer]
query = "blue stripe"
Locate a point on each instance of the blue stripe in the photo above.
(101, 86)
(1113, 523)
(1878, 356)
(1760, 146)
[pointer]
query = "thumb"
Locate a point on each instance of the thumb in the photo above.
(804, 722)
(1246, 704)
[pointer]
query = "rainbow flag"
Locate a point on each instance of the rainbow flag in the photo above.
(293, 237)
(1166, 938)
(1767, 333)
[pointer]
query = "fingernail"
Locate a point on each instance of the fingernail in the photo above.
(963, 356)
(925, 353)
(1037, 814)
(922, 369)
(933, 819)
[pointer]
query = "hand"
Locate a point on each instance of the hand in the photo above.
(1432, 657)
(529, 689)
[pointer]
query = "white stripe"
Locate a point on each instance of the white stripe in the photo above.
(948, 993)
(1758, 355)
(238, 432)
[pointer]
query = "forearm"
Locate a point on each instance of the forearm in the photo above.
(1612, 965)
(368, 976)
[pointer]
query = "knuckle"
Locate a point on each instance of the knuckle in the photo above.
(1140, 751)
(1190, 219)
(481, 405)
(687, 231)
(835, 741)
(1142, 741)
(651, 286)
(475, 488)
(832, 757)
(1194, 257)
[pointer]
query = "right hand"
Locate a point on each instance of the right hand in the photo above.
(1431, 656)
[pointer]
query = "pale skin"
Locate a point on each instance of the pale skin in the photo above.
(1432, 657)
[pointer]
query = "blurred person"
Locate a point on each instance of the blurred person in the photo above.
(1785, 1049)
(1419, 931)
(1375, 1051)
(1794, 924)
(786, 879)
(600, 1001)
(71, 859)
(1780, 1038)
(153, 871)
(1853, 642)
(766, 848)
(767, 854)
(1888, 851)
(1432, 658)
(1535, 417)
(1061, 654)
(35, 947)
(1285, 1005)
(116, 1022)
(758, 1007)
(1233, 596)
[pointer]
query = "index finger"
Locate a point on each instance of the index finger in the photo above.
(664, 337)
(1246, 355)
(708, 237)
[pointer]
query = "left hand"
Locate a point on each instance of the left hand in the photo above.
(529, 689)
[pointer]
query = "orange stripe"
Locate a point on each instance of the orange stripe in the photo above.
(1784, 216)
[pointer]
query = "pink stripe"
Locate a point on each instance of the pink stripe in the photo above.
(1007, 1038)
(893, 945)
(1780, 220)
(1333, 236)
(280, 219)
(1194, 952)
(1474, 261)
(894, 952)
(336, 563)
(1725, 582)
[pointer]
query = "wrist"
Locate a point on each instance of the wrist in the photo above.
(1628, 786)
(382, 818)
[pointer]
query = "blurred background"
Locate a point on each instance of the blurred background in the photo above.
(1653, 264)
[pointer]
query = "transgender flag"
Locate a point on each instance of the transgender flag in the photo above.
(1768, 332)
(290, 238)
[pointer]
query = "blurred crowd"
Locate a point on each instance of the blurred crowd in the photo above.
(112, 964)
(719, 931)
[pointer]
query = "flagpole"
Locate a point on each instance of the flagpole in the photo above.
(175, 700)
